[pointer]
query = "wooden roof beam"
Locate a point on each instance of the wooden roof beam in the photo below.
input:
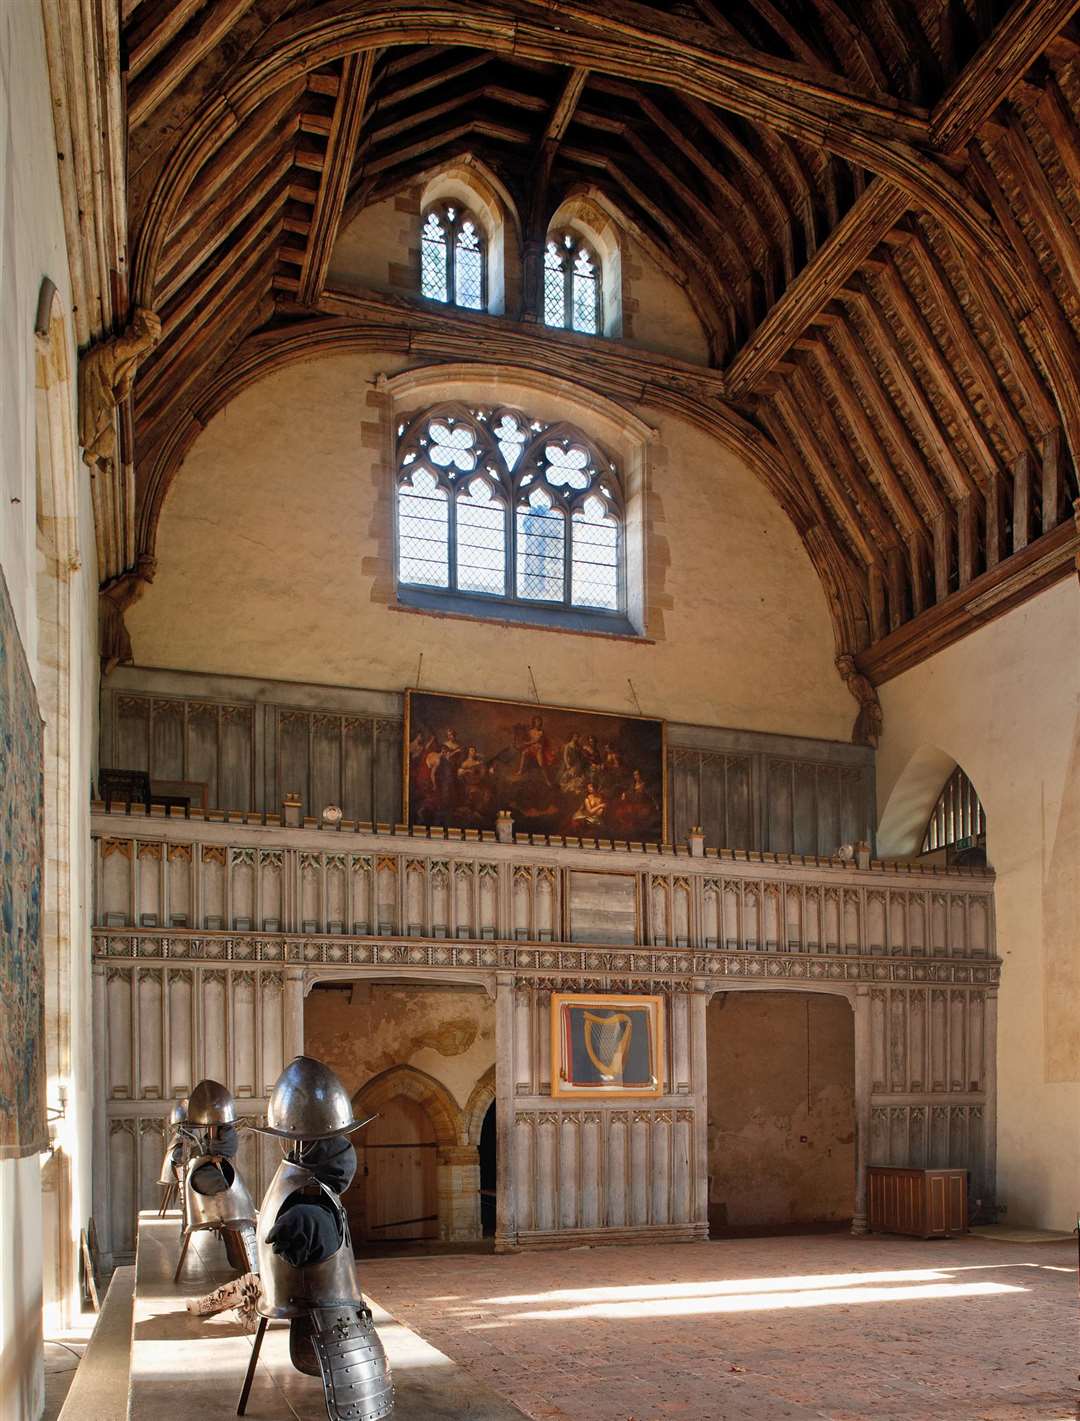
(866, 381)
(341, 143)
(876, 456)
(818, 462)
(939, 368)
(153, 31)
(941, 290)
(860, 231)
(922, 411)
(984, 83)
(152, 89)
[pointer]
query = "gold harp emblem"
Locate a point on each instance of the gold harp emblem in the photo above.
(607, 1039)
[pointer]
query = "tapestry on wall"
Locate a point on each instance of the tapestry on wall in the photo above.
(558, 771)
(23, 1127)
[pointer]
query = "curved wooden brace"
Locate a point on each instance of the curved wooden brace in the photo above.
(788, 98)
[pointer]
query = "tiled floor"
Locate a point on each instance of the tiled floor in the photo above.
(831, 1327)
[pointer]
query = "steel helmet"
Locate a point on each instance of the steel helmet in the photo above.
(308, 1102)
(179, 1113)
(211, 1104)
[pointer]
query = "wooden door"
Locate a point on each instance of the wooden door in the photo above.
(397, 1175)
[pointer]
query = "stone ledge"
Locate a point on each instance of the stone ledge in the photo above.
(99, 1390)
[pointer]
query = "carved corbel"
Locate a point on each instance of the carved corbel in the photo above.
(869, 721)
(106, 374)
(114, 599)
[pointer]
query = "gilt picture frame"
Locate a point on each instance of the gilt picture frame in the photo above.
(558, 771)
(605, 1046)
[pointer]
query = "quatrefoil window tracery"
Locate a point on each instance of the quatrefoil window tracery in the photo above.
(539, 520)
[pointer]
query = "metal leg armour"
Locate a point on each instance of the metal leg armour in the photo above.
(355, 1373)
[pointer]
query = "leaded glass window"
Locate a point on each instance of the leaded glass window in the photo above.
(571, 284)
(453, 258)
(500, 506)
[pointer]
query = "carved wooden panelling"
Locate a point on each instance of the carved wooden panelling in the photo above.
(786, 796)
(265, 906)
(167, 1027)
(759, 800)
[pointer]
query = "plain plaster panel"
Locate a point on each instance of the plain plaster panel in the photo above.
(1005, 705)
(781, 1108)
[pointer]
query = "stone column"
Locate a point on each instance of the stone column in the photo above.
(863, 1088)
(459, 1193)
(505, 1210)
(294, 1012)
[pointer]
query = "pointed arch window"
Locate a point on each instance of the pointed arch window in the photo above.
(453, 257)
(957, 823)
(501, 507)
(571, 284)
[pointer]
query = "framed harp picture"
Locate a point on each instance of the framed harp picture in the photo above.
(606, 1047)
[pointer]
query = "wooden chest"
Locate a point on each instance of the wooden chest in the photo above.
(926, 1203)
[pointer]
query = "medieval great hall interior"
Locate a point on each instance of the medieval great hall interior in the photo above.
(541, 558)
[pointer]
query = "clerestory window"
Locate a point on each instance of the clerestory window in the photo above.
(572, 296)
(503, 508)
(453, 259)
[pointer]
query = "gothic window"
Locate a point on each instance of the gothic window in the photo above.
(502, 507)
(957, 824)
(452, 257)
(571, 284)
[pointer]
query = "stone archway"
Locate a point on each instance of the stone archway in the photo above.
(457, 1159)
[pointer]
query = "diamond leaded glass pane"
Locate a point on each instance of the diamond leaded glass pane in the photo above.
(433, 282)
(585, 293)
(481, 541)
(423, 528)
(469, 269)
(554, 288)
(594, 565)
(540, 551)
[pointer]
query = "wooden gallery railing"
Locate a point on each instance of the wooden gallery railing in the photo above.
(210, 928)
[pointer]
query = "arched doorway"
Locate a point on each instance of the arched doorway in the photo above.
(394, 1197)
(417, 1145)
(781, 1111)
(488, 1173)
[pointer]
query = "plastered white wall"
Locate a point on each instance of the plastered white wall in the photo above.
(32, 246)
(1005, 704)
(275, 559)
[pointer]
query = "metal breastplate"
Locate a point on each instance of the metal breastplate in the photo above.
(292, 1292)
(227, 1210)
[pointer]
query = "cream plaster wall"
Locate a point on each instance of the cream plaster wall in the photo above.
(32, 245)
(370, 246)
(372, 252)
(1005, 704)
(275, 559)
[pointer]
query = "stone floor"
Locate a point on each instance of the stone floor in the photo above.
(831, 1327)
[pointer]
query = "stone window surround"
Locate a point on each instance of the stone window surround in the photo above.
(628, 438)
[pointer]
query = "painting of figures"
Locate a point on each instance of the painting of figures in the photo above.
(558, 771)
(23, 1128)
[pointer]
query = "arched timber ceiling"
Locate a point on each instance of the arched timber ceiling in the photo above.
(872, 204)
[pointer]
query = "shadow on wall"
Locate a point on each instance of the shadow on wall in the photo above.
(911, 802)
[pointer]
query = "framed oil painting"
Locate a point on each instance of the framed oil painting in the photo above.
(606, 1047)
(558, 771)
